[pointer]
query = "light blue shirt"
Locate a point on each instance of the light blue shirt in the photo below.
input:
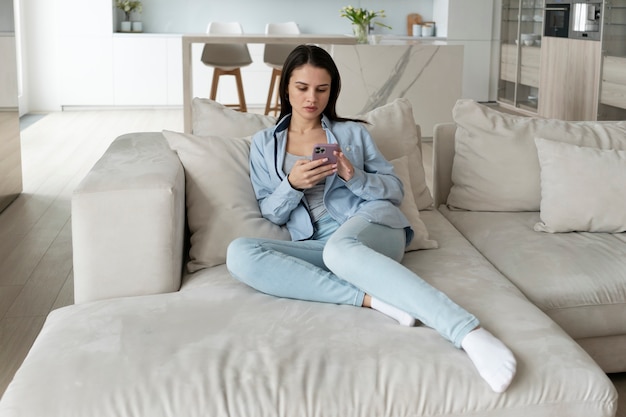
(374, 192)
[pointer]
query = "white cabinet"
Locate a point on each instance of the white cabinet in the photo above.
(141, 69)
(85, 76)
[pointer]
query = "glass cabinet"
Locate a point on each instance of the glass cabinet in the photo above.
(520, 54)
(612, 104)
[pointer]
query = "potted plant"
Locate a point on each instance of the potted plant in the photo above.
(361, 20)
(128, 7)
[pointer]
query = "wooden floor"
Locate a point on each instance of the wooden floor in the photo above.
(35, 231)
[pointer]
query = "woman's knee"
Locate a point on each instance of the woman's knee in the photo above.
(337, 251)
(238, 255)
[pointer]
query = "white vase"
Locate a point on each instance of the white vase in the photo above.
(137, 26)
(125, 26)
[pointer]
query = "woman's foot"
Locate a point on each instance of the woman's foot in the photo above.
(493, 360)
(400, 316)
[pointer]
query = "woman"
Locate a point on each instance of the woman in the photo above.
(348, 234)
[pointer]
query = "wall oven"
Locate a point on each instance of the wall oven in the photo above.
(556, 21)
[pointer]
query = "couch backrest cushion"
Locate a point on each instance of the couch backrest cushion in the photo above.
(219, 197)
(496, 167)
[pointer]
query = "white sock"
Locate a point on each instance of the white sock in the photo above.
(493, 360)
(400, 316)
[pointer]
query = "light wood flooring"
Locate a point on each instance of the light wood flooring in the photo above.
(35, 230)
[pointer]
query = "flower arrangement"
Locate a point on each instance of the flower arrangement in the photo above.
(360, 16)
(128, 6)
(361, 20)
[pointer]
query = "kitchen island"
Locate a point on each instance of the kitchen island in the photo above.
(427, 72)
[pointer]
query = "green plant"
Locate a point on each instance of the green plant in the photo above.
(129, 6)
(363, 17)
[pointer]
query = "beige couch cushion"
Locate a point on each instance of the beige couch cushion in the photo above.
(209, 117)
(578, 279)
(220, 200)
(496, 167)
(393, 128)
(582, 188)
(421, 239)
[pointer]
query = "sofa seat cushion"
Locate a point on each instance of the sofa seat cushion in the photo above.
(219, 348)
(578, 279)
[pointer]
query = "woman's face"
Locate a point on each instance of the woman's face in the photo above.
(309, 91)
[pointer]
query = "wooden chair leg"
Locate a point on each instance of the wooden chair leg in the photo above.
(242, 97)
(270, 93)
(276, 106)
(216, 78)
(274, 82)
(217, 72)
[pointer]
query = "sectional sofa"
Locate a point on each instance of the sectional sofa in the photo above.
(160, 328)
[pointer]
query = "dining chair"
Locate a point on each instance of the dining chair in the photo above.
(274, 55)
(227, 59)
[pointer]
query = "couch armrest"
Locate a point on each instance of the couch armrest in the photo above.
(128, 221)
(443, 157)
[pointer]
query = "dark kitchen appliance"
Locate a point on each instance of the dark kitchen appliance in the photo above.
(557, 18)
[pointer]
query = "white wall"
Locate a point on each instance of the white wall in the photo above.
(317, 16)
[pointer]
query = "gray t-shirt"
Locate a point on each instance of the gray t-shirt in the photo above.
(314, 196)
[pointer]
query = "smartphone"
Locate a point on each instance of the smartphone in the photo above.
(325, 150)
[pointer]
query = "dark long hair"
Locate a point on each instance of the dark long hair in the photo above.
(319, 58)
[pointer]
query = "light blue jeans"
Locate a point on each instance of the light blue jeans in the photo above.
(339, 265)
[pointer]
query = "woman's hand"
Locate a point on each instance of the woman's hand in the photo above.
(345, 169)
(305, 174)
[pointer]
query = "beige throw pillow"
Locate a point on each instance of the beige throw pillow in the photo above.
(210, 118)
(409, 209)
(393, 128)
(582, 188)
(496, 167)
(221, 204)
